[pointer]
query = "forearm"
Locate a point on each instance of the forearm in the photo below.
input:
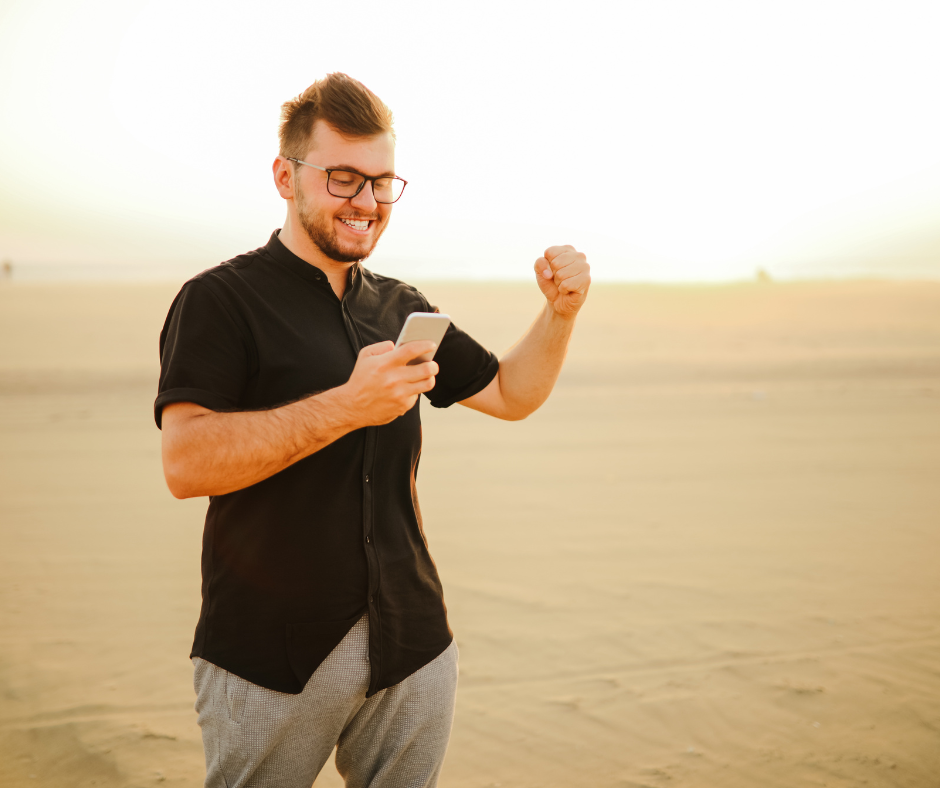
(528, 372)
(210, 453)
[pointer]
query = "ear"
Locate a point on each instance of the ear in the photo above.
(283, 177)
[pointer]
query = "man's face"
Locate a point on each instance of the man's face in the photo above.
(335, 224)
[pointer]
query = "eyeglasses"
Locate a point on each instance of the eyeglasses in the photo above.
(341, 183)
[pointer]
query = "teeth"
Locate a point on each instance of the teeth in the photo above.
(357, 224)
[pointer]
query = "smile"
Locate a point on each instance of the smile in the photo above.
(356, 224)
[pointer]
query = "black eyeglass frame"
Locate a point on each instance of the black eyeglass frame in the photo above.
(365, 178)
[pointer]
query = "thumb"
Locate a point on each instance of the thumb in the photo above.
(378, 349)
(543, 268)
(545, 282)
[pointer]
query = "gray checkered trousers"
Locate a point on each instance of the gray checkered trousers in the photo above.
(255, 737)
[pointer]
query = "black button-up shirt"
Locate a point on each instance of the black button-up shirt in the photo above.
(291, 563)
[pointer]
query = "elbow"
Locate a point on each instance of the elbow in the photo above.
(180, 493)
(177, 483)
(178, 476)
(516, 408)
(520, 408)
(518, 411)
(182, 466)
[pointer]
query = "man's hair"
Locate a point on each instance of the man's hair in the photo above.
(343, 102)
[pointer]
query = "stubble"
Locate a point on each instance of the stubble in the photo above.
(320, 231)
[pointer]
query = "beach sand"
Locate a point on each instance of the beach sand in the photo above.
(711, 559)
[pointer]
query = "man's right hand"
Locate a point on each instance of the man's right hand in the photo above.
(383, 386)
(206, 452)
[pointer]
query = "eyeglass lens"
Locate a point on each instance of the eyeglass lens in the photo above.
(346, 184)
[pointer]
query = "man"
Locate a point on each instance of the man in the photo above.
(283, 399)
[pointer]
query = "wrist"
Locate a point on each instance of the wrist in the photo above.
(340, 404)
(559, 318)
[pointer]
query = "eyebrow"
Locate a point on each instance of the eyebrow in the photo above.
(350, 168)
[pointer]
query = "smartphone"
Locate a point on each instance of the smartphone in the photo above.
(423, 325)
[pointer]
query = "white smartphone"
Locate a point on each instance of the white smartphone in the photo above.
(423, 325)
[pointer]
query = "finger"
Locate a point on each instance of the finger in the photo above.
(574, 280)
(568, 258)
(378, 348)
(411, 350)
(574, 284)
(416, 372)
(414, 388)
(546, 283)
(553, 251)
(542, 268)
(570, 268)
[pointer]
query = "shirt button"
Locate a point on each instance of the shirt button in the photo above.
(368, 540)
(367, 478)
(371, 600)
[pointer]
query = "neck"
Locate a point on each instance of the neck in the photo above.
(292, 235)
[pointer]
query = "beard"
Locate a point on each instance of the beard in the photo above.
(320, 230)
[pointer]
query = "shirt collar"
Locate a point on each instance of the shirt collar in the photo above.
(276, 249)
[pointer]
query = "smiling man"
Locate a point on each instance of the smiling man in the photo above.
(283, 399)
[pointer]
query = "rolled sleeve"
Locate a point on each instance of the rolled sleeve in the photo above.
(466, 367)
(205, 356)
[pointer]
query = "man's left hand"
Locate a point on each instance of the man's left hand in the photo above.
(564, 277)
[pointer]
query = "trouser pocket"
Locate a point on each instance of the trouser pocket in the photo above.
(236, 694)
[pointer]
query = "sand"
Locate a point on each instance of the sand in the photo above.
(712, 559)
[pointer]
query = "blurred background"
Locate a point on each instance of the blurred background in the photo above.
(709, 560)
(672, 141)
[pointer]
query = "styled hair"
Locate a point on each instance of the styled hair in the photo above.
(343, 102)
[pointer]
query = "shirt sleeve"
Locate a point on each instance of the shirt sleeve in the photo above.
(466, 367)
(205, 357)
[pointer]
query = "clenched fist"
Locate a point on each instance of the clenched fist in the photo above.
(564, 277)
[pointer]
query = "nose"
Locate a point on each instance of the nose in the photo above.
(365, 200)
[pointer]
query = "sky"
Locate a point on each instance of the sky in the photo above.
(670, 141)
